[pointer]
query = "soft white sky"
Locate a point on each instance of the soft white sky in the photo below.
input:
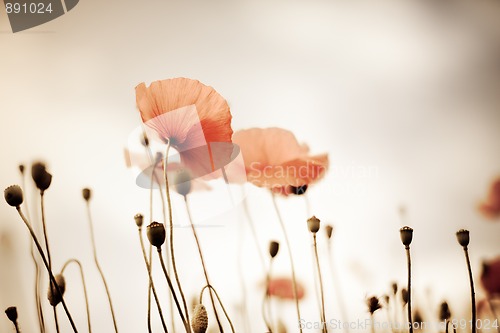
(409, 90)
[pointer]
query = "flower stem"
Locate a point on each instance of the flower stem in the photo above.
(408, 258)
(45, 262)
(203, 264)
(266, 300)
(151, 283)
(87, 307)
(323, 316)
(55, 319)
(171, 287)
(372, 326)
(254, 234)
(99, 266)
(220, 303)
(294, 280)
(472, 293)
(171, 224)
(337, 285)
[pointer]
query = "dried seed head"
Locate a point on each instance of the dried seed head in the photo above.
(53, 296)
(274, 248)
(404, 296)
(139, 219)
(182, 181)
(373, 304)
(21, 169)
(406, 234)
(13, 195)
(87, 193)
(463, 237)
(444, 311)
(11, 313)
(156, 234)
(40, 176)
(387, 299)
(313, 224)
(298, 190)
(394, 286)
(329, 231)
(199, 322)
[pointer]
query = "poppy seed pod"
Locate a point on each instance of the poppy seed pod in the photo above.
(298, 190)
(313, 224)
(11, 313)
(139, 219)
(329, 231)
(463, 237)
(13, 195)
(373, 304)
(404, 296)
(182, 181)
(156, 234)
(199, 323)
(444, 311)
(37, 170)
(394, 287)
(87, 194)
(406, 234)
(274, 248)
(53, 296)
(21, 169)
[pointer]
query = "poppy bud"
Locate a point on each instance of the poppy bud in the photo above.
(21, 169)
(11, 313)
(199, 323)
(394, 286)
(144, 140)
(313, 224)
(53, 296)
(13, 195)
(298, 190)
(444, 311)
(329, 231)
(40, 176)
(87, 194)
(463, 237)
(406, 234)
(139, 219)
(404, 296)
(156, 234)
(182, 181)
(274, 247)
(373, 304)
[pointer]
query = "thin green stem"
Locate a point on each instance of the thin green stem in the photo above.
(294, 280)
(472, 293)
(151, 283)
(408, 258)
(220, 303)
(45, 262)
(171, 224)
(323, 316)
(87, 307)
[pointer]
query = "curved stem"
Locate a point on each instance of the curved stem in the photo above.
(171, 287)
(94, 250)
(193, 229)
(323, 316)
(87, 307)
(171, 224)
(220, 303)
(151, 283)
(472, 293)
(45, 262)
(266, 301)
(408, 258)
(294, 280)
(337, 286)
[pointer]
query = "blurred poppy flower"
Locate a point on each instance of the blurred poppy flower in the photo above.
(274, 159)
(187, 114)
(490, 277)
(283, 288)
(490, 207)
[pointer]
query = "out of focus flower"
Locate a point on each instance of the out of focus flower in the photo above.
(490, 277)
(373, 304)
(274, 159)
(490, 207)
(187, 114)
(283, 288)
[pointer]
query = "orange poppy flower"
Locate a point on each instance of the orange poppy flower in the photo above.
(491, 206)
(283, 288)
(187, 114)
(274, 159)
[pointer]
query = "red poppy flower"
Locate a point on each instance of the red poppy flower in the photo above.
(283, 288)
(491, 206)
(274, 159)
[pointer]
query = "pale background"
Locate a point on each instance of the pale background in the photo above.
(407, 89)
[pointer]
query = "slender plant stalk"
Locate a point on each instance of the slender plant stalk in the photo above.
(87, 307)
(150, 246)
(151, 283)
(372, 326)
(294, 280)
(193, 229)
(220, 303)
(55, 319)
(387, 311)
(94, 250)
(150, 287)
(254, 234)
(337, 286)
(323, 316)
(171, 224)
(408, 258)
(45, 262)
(171, 287)
(268, 318)
(472, 293)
